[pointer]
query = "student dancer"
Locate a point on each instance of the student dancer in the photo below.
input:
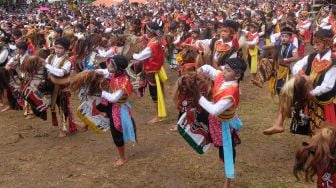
(153, 57)
(117, 106)
(319, 67)
(17, 78)
(225, 94)
(224, 47)
(59, 68)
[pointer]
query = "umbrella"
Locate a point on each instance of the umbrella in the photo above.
(109, 3)
(44, 9)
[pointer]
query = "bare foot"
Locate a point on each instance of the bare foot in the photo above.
(30, 116)
(273, 130)
(82, 126)
(173, 128)
(255, 82)
(120, 162)
(154, 120)
(62, 134)
(227, 183)
(6, 108)
(1, 104)
(277, 126)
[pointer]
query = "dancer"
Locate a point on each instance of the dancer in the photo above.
(17, 81)
(118, 108)
(4, 77)
(225, 94)
(153, 57)
(59, 68)
(224, 47)
(319, 67)
(277, 69)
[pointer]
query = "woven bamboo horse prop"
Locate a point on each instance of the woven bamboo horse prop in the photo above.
(294, 98)
(91, 81)
(189, 89)
(267, 66)
(89, 85)
(127, 45)
(36, 91)
(37, 40)
(204, 57)
(188, 56)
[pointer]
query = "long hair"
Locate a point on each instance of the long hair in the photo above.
(36, 38)
(93, 81)
(43, 53)
(80, 48)
(191, 86)
(189, 54)
(70, 35)
(294, 92)
(204, 57)
(136, 26)
(94, 40)
(118, 40)
(318, 155)
(130, 44)
(31, 65)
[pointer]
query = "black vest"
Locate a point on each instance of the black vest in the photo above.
(326, 96)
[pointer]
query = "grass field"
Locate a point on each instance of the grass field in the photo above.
(32, 155)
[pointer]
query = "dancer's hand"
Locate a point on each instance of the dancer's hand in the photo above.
(284, 62)
(8, 67)
(306, 77)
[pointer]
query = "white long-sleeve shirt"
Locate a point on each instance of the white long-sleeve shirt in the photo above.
(223, 104)
(275, 20)
(329, 78)
(144, 54)
(105, 72)
(113, 97)
(325, 23)
(79, 35)
(59, 72)
(106, 53)
(178, 40)
(207, 42)
(12, 61)
(276, 36)
(305, 25)
(3, 55)
(108, 30)
(254, 41)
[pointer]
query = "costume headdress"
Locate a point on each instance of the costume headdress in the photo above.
(153, 28)
(304, 14)
(119, 62)
(238, 65)
(287, 28)
(230, 24)
(325, 35)
(63, 42)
